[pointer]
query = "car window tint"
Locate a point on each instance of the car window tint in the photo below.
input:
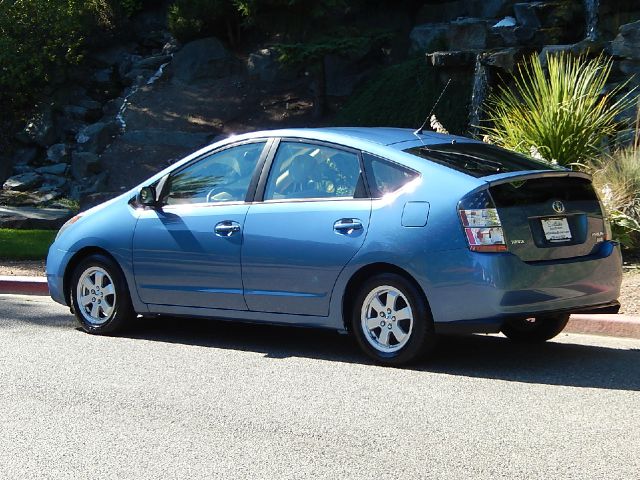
(386, 177)
(479, 159)
(221, 177)
(303, 170)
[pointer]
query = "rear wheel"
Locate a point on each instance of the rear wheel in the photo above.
(391, 320)
(535, 329)
(100, 297)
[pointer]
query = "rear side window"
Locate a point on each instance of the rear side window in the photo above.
(479, 159)
(385, 176)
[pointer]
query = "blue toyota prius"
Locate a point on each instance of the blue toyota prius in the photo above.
(391, 235)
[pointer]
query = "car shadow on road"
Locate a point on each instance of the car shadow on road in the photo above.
(482, 356)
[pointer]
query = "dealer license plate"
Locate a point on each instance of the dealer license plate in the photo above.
(556, 229)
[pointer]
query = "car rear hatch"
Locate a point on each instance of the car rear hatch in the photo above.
(534, 210)
(548, 215)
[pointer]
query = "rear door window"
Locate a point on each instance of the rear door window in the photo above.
(385, 176)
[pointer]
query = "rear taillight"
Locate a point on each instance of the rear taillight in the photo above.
(481, 223)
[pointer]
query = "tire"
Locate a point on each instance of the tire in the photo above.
(389, 340)
(535, 329)
(100, 296)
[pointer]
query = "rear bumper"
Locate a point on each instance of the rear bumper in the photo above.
(479, 291)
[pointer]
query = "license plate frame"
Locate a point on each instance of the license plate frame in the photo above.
(556, 229)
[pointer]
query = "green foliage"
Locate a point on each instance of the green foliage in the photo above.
(403, 95)
(130, 7)
(40, 40)
(563, 114)
(25, 244)
(617, 179)
(190, 19)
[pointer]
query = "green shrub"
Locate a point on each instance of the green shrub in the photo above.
(617, 179)
(189, 19)
(562, 114)
(403, 95)
(40, 40)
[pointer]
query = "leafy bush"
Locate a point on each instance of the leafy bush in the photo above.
(617, 179)
(190, 19)
(40, 40)
(403, 95)
(563, 114)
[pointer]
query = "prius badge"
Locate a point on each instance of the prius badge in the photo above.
(558, 206)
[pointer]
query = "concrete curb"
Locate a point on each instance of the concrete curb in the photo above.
(611, 325)
(18, 285)
(605, 324)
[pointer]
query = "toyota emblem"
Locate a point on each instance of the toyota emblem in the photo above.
(558, 206)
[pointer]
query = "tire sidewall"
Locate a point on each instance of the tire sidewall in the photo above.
(122, 308)
(422, 335)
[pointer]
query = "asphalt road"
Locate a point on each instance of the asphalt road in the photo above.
(181, 399)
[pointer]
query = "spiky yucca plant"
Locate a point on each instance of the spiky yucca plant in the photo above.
(560, 113)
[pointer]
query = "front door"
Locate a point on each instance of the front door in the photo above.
(313, 220)
(188, 252)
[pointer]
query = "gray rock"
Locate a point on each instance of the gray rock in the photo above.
(452, 59)
(54, 182)
(21, 168)
(467, 34)
(627, 43)
(30, 217)
(89, 104)
(83, 163)
(40, 129)
(89, 186)
(200, 60)
(22, 182)
(526, 15)
(112, 107)
(96, 137)
(137, 77)
(5, 169)
(428, 37)
(152, 63)
(172, 46)
(502, 59)
(27, 155)
(112, 55)
(55, 169)
(57, 153)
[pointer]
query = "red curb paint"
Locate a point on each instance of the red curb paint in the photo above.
(24, 285)
(611, 325)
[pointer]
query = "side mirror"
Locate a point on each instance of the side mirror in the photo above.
(147, 197)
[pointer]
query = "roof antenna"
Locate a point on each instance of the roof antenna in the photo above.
(424, 124)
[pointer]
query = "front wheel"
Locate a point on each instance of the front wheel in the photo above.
(100, 297)
(391, 320)
(535, 329)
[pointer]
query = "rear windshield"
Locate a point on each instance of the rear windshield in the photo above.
(479, 159)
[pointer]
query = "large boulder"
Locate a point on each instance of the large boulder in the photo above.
(96, 137)
(201, 60)
(83, 163)
(57, 153)
(627, 43)
(428, 37)
(22, 182)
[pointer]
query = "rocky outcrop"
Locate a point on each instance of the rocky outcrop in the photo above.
(201, 60)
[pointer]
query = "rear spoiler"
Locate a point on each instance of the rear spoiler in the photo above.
(499, 178)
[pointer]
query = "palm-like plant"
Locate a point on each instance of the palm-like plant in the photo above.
(561, 113)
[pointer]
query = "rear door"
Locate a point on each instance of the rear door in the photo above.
(313, 219)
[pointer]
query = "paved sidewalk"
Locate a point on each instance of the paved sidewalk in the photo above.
(611, 325)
